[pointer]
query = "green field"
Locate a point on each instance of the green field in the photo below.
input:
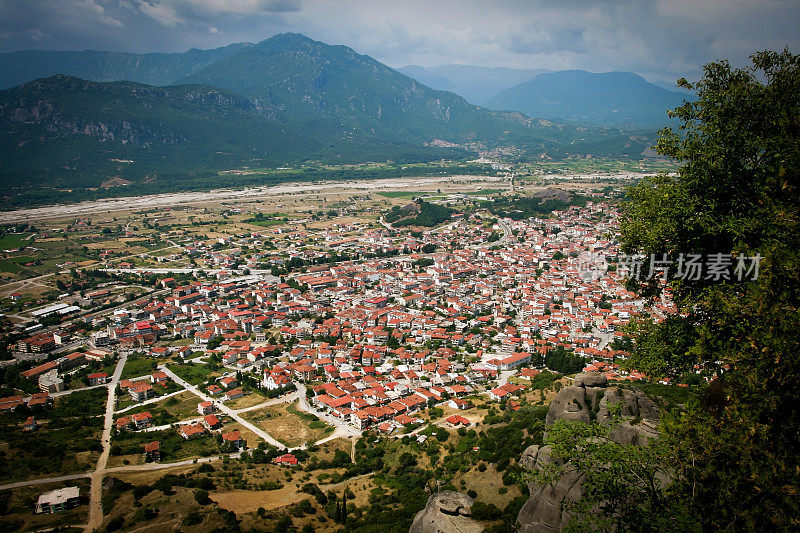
(400, 194)
(10, 266)
(266, 223)
(13, 240)
(138, 365)
(193, 373)
(486, 192)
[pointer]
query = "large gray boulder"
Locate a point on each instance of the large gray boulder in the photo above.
(543, 511)
(446, 512)
(590, 379)
(588, 399)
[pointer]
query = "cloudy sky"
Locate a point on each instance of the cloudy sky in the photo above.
(660, 39)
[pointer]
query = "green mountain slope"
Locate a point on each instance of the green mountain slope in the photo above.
(21, 67)
(286, 100)
(353, 96)
(620, 99)
(68, 132)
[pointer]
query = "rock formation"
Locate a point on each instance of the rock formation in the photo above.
(587, 399)
(446, 512)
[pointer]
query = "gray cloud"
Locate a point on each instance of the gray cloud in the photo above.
(660, 39)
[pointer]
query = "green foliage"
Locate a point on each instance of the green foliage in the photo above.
(53, 448)
(733, 454)
(192, 373)
(192, 518)
(423, 214)
(562, 361)
(138, 365)
(626, 486)
(522, 207)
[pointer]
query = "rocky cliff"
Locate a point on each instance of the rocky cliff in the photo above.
(588, 399)
(446, 512)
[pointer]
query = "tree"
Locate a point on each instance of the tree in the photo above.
(734, 455)
(729, 461)
(201, 496)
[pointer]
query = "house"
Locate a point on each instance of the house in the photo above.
(10, 403)
(58, 500)
(213, 390)
(123, 422)
(233, 394)
(528, 373)
(457, 403)
(152, 452)
(50, 382)
(498, 394)
(234, 438)
(206, 408)
(457, 420)
(98, 378)
(30, 424)
(142, 420)
(192, 431)
(40, 399)
(285, 459)
(211, 422)
(159, 378)
(229, 382)
(141, 391)
(515, 360)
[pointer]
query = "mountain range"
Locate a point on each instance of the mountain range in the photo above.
(286, 100)
(476, 84)
(619, 99)
(612, 99)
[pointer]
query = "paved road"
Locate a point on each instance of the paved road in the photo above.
(42, 481)
(506, 236)
(127, 468)
(161, 466)
(96, 487)
(222, 407)
(70, 391)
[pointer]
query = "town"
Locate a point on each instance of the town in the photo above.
(232, 332)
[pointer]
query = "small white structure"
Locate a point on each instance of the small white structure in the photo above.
(58, 500)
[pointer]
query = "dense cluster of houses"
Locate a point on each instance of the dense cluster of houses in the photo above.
(380, 339)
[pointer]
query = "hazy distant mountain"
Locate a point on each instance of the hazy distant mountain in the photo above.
(154, 69)
(426, 77)
(476, 84)
(606, 99)
(670, 86)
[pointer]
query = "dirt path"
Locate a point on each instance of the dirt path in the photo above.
(96, 487)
